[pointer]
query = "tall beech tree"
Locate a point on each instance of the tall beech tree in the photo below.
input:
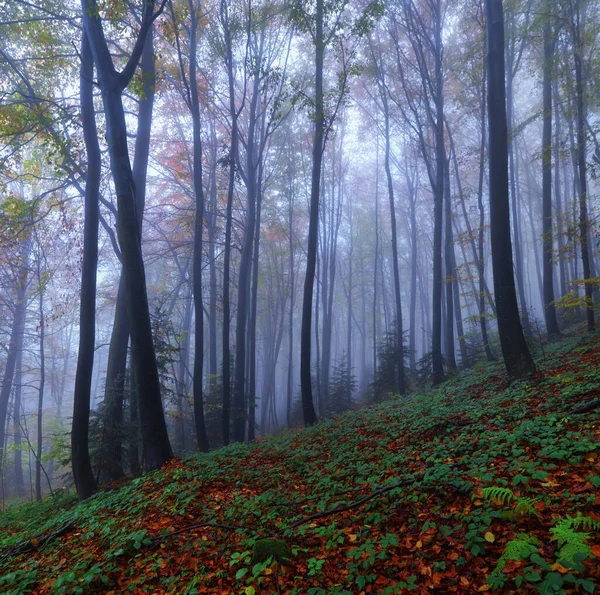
(515, 352)
(156, 448)
(547, 227)
(85, 481)
(189, 77)
(325, 23)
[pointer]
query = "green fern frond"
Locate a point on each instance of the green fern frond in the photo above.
(564, 534)
(526, 506)
(571, 555)
(573, 548)
(580, 521)
(502, 495)
(520, 548)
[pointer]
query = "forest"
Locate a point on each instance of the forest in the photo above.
(222, 221)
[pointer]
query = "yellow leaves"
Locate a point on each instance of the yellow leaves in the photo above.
(489, 537)
(352, 537)
(550, 484)
(419, 544)
(558, 567)
(485, 587)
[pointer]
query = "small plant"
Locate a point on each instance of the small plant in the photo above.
(522, 507)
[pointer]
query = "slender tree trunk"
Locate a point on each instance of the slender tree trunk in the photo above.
(253, 308)
(194, 105)
(412, 197)
(308, 409)
(440, 157)
(17, 416)
(226, 413)
(450, 272)
(212, 233)
(40, 408)
(562, 266)
(516, 354)
(547, 228)
(574, 9)
(401, 380)
(481, 235)
(85, 482)
(292, 278)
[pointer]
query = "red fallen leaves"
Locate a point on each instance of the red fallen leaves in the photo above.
(429, 555)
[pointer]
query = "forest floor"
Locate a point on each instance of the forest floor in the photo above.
(474, 486)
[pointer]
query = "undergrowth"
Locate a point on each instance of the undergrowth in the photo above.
(473, 486)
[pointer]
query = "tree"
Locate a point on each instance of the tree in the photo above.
(190, 82)
(547, 228)
(315, 23)
(515, 352)
(156, 448)
(85, 482)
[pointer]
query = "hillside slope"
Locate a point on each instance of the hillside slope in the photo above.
(472, 487)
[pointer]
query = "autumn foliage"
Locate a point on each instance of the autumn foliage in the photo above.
(476, 486)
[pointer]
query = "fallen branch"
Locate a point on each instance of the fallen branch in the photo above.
(156, 541)
(36, 543)
(355, 504)
(586, 408)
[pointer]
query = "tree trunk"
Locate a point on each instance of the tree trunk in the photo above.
(581, 160)
(194, 105)
(516, 354)
(155, 439)
(17, 416)
(450, 272)
(40, 408)
(85, 482)
(547, 228)
(308, 409)
(401, 380)
(440, 157)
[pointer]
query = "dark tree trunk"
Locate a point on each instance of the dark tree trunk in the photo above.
(114, 389)
(516, 354)
(42, 384)
(562, 266)
(253, 308)
(226, 411)
(16, 334)
(412, 197)
(17, 416)
(547, 228)
(194, 106)
(480, 253)
(212, 233)
(401, 380)
(117, 354)
(575, 18)
(85, 482)
(450, 273)
(155, 439)
(440, 157)
(308, 409)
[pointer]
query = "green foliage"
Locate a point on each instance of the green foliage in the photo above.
(342, 387)
(522, 506)
(519, 548)
(573, 547)
(277, 549)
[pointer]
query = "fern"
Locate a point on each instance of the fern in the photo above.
(585, 522)
(573, 548)
(520, 548)
(502, 495)
(523, 506)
